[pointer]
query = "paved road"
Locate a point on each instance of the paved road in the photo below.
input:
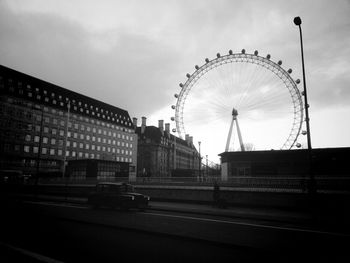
(71, 233)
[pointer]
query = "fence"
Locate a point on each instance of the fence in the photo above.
(288, 183)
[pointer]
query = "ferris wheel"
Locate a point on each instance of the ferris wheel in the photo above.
(264, 95)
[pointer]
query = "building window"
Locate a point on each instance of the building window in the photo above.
(81, 145)
(35, 149)
(54, 131)
(62, 133)
(45, 140)
(26, 148)
(44, 150)
(28, 138)
(52, 151)
(59, 152)
(53, 141)
(46, 129)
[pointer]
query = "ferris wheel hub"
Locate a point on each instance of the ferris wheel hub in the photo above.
(234, 112)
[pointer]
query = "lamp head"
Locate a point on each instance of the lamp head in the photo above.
(297, 21)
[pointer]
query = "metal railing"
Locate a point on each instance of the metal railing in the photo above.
(248, 182)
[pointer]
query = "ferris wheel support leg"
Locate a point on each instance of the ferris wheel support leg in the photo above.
(229, 137)
(240, 137)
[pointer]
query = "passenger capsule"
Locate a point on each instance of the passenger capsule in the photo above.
(290, 71)
(256, 52)
(176, 95)
(173, 107)
(196, 67)
(207, 60)
(218, 55)
(243, 51)
(268, 56)
(279, 62)
(302, 93)
(188, 75)
(174, 130)
(230, 52)
(304, 132)
(181, 85)
(172, 118)
(297, 81)
(298, 145)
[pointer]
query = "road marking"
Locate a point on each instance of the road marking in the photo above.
(212, 220)
(249, 224)
(37, 256)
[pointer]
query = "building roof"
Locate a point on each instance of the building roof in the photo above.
(88, 106)
(155, 134)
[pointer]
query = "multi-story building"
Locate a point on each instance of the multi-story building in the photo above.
(43, 126)
(161, 154)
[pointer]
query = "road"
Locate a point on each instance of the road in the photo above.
(75, 233)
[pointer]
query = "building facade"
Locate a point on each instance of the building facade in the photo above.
(43, 126)
(161, 154)
(286, 163)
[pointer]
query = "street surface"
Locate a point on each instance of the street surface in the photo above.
(65, 232)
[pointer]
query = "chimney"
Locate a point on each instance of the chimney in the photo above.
(161, 126)
(143, 125)
(187, 137)
(167, 127)
(191, 139)
(134, 122)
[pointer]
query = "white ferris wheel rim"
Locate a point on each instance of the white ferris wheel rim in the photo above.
(243, 57)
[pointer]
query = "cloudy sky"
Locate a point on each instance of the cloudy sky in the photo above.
(134, 53)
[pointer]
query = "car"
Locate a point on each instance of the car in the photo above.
(117, 195)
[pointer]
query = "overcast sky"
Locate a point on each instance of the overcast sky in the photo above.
(134, 53)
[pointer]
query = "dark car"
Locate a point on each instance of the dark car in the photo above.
(117, 195)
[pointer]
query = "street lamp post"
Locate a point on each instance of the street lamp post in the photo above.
(311, 185)
(200, 160)
(207, 170)
(65, 141)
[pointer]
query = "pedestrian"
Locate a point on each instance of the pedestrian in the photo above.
(216, 193)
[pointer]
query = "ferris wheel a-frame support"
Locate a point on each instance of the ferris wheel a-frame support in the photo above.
(234, 118)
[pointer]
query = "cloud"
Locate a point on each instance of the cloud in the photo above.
(132, 54)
